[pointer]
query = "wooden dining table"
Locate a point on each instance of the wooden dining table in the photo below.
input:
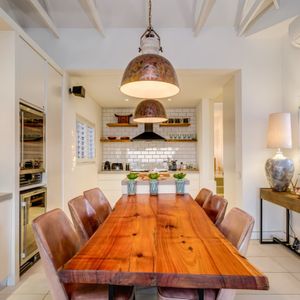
(165, 240)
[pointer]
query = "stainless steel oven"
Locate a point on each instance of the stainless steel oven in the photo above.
(32, 141)
(32, 205)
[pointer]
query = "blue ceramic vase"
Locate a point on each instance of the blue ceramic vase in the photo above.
(153, 187)
(180, 186)
(131, 187)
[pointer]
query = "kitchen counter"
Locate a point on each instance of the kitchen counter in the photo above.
(5, 196)
(110, 182)
(126, 172)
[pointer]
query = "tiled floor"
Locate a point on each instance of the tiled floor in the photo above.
(280, 265)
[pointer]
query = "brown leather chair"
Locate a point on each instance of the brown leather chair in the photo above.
(237, 227)
(203, 195)
(84, 218)
(99, 202)
(215, 208)
(57, 242)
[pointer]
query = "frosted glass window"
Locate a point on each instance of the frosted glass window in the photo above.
(85, 140)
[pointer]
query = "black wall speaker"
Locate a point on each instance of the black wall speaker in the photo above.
(78, 91)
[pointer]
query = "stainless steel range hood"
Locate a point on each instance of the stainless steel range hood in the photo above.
(148, 134)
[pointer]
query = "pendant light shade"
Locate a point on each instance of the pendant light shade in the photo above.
(150, 111)
(150, 76)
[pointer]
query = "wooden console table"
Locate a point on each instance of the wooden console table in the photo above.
(289, 202)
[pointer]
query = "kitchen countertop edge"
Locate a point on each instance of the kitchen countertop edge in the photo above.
(171, 172)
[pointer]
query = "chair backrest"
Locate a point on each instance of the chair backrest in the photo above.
(99, 202)
(84, 218)
(237, 227)
(57, 242)
(203, 195)
(215, 208)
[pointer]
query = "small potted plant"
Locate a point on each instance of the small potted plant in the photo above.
(153, 183)
(131, 184)
(180, 182)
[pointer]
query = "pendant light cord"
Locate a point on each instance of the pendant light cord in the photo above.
(150, 15)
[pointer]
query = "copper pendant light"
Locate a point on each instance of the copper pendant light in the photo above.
(150, 111)
(150, 75)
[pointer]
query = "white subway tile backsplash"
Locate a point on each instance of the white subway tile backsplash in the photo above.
(149, 153)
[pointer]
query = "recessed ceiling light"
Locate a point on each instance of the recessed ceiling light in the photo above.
(126, 100)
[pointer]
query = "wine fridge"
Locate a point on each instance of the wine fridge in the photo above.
(33, 204)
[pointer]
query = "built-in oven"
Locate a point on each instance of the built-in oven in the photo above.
(32, 205)
(32, 142)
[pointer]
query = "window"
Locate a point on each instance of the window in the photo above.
(85, 140)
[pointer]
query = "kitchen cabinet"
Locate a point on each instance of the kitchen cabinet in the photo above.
(31, 74)
(111, 186)
(54, 138)
(5, 225)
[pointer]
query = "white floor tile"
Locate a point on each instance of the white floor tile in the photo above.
(22, 297)
(266, 264)
(267, 297)
(290, 263)
(280, 284)
(48, 297)
(297, 275)
(270, 250)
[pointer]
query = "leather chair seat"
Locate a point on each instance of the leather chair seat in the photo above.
(165, 293)
(98, 292)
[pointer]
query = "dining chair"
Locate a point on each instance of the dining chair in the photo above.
(215, 208)
(58, 242)
(237, 227)
(203, 195)
(99, 202)
(84, 218)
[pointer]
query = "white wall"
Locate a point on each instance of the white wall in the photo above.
(291, 103)
(8, 166)
(78, 176)
(229, 139)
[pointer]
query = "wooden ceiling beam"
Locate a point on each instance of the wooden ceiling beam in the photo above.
(94, 16)
(258, 7)
(46, 18)
(204, 12)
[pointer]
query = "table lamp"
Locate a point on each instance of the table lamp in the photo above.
(279, 169)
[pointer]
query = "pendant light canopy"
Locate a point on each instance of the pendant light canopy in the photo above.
(150, 111)
(150, 75)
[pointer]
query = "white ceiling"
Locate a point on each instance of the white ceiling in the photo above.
(120, 13)
(103, 87)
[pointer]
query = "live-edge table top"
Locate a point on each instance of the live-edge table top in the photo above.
(164, 240)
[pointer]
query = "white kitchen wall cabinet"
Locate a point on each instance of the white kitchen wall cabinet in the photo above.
(31, 74)
(54, 138)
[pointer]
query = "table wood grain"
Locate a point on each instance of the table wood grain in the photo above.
(164, 240)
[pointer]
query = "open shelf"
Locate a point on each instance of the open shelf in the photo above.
(114, 141)
(121, 125)
(174, 124)
(103, 140)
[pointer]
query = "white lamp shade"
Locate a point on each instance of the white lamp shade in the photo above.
(279, 131)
